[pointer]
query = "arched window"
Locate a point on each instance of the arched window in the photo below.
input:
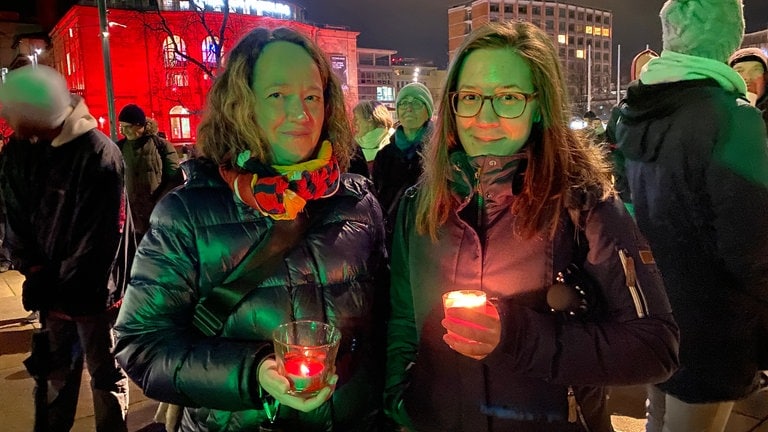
(174, 50)
(180, 125)
(209, 50)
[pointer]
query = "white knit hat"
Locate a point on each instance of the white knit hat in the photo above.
(711, 29)
(35, 96)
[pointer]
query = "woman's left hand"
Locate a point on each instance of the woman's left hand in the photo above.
(277, 386)
(472, 332)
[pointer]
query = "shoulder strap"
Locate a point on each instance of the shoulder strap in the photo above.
(259, 263)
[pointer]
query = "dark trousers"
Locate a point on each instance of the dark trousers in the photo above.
(87, 340)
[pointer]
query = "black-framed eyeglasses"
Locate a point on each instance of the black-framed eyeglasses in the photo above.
(508, 105)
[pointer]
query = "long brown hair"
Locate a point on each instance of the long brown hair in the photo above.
(560, 162)
(229, 123)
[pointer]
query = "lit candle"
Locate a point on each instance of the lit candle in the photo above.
(304, 373)
(464, 299)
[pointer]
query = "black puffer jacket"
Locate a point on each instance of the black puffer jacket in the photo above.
(697, 165)
(199, 233)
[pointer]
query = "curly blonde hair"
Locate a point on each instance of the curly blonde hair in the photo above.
(229, 125)
(561, 163)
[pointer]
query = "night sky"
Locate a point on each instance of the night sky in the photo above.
(419, 28)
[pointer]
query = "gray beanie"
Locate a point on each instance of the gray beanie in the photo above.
(36, 96)
(418, 91)
(711, 29)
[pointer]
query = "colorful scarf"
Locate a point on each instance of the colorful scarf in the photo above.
(281, 191)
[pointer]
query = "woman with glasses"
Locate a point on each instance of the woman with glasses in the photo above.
(397, 166)
(516, 205)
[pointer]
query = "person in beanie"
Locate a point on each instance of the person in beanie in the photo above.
(752, 65)
(397, 166)
(697, 166)
(62, 185)
(151, 164)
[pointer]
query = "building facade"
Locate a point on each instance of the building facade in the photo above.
(164, 61)
(582, 35)
(376, 78)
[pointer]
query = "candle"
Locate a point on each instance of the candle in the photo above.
(464, 299)
(304, 373)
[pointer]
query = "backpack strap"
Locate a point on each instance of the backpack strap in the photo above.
(259, 263)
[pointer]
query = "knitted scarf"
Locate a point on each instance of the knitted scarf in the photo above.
(672, 67)
(281, 191)
(411, 147)
(372, 141)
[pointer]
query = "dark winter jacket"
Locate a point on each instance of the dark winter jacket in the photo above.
(629, 338)
(697, 165)
(200, 232)
(394, 171)
(63, 201)
(151, 170)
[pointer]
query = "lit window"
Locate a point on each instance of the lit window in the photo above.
(174, 52)
(580, 53)
(588, 30)
(606, 31)
(561, 39)
(208, 49)
(180, 124)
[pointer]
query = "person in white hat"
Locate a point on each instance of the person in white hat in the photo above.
(698, 175)
(752, 64)
(62, 184)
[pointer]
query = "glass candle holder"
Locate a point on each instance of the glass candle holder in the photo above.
(306, 353)
(464, 299)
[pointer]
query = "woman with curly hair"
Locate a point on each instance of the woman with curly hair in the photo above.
(269, 189)
(511, 200)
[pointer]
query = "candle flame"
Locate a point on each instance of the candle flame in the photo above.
(304, 369)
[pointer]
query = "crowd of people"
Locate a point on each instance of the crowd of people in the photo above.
(298, 207)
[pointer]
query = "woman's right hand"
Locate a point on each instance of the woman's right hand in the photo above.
(277, 386)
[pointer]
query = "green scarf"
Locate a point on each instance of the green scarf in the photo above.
(673, 67)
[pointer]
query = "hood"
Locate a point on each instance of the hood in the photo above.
(77, 123)
(646, 115)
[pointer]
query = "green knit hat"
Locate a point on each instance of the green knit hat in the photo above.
(711, 29)
(417, 91)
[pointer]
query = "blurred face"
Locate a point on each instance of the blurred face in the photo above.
(412, 114)
(130, 131)
(502, 82)
(753, 74)
(362, 125)
(289, 101)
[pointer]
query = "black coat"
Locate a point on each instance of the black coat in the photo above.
(697, 166)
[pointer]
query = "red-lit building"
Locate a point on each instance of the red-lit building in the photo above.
(149, 71)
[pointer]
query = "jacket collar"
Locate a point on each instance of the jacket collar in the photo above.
(497, 178)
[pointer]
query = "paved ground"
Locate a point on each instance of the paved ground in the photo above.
(16, 412)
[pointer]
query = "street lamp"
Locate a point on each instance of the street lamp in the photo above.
(104, 24)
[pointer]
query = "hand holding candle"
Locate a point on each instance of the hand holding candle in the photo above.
(473, 324)
(305, 352)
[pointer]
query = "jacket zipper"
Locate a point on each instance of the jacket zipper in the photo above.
(633, 285)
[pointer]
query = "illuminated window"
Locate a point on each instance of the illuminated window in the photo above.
(174, 52)
(180, 125)
(385, 93)
(580, 53)
(208, 49)
(561, 39)
(588, 30)
(606, 31)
